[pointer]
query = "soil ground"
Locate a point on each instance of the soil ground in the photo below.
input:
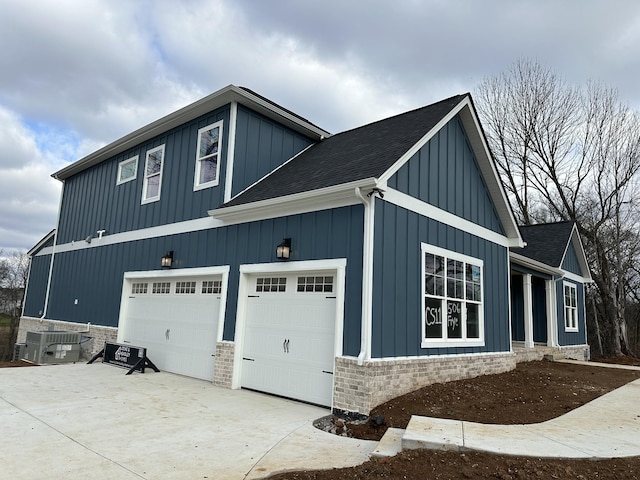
(533, 392)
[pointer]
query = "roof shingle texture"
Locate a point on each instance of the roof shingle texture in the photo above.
(546, 242)
(361, 153)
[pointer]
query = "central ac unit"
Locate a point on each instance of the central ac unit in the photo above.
(52, 347)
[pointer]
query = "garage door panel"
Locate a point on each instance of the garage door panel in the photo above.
(289, 344)
(178, 329)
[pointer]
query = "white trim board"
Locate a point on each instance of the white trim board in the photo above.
(427, 210)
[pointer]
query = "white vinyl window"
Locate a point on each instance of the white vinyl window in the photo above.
(127, 170)
(153, 175)
(570, 307)
(208, 156)
(452, 299)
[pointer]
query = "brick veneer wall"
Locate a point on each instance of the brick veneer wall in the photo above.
(360, 388)
(577, 352)
(223, 372)
(99, 334)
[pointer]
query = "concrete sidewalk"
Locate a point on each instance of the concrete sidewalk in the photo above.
(83, 421)
(606, 427)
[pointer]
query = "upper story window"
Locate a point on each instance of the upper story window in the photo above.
(452, 299)
(208, 156)
(570, 307)
(127, 170)
(153, 175)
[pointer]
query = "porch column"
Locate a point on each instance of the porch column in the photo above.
(528, 310)
(552, 313)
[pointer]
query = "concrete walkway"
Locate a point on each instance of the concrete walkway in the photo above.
(606, 427)
(85, 421)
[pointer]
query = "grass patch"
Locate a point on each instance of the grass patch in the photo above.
(5, 320)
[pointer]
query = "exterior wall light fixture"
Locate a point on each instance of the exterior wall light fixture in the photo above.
(283, 251)
(167, 260)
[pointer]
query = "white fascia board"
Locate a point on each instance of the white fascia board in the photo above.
(315, 200)
(427, 210)
(534, 264)
(207, 104)
(35, 249)
(576, 241)
(485, 162)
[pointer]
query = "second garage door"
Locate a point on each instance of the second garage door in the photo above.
(176, 319)
(290, 336)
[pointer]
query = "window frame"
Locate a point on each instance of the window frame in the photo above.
(145, 184)
(443, 340)
(197, 184)
(571, 323)
(119, 179)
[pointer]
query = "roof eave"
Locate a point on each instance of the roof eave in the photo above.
(224, 96)
(534, 264)
(313, 200)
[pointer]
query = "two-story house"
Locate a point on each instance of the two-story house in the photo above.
(244, 245)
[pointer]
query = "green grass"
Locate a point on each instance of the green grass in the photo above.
(5, 320)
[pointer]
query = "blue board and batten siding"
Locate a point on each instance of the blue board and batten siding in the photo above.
(397, 295)
(261, 146)
(445, 173)
(94, 275)
(570, 261)
(92, 201)
(37, 285)
(571, 338)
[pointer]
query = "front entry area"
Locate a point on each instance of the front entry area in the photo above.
(289, 340)
(176, 318)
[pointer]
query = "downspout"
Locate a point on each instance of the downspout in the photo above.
(53, 254)
(367, 276)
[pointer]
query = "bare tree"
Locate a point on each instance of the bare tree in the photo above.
(572, 154)
(14, 269)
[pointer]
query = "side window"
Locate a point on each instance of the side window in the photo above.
(452, 299)
(208, 156)
(153, 175)
(570, 307)
(127, 170)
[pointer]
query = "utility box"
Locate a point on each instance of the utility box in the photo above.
(52, 347)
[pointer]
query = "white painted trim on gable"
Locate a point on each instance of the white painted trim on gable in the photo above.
(575, 278)
(418, 206)
(231, 151)
(534, 264)
(576, 241)
(485, 163)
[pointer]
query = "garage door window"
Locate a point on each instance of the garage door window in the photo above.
(138, 288)
(161, 287)
(186, 287)
(273, 284)
(315, 284)
(211, 286)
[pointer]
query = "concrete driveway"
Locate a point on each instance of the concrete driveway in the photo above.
(83, 421)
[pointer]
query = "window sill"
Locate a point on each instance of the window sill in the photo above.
(451, 343)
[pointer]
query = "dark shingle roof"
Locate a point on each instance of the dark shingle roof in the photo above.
(365, 152)
(546, 242)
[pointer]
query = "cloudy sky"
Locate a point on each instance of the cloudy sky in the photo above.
(76, 75)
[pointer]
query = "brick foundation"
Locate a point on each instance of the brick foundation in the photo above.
(360, 388)
(223, 373)
(99, 334)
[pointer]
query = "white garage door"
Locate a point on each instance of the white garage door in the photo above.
(290, 336)
(176, 319)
